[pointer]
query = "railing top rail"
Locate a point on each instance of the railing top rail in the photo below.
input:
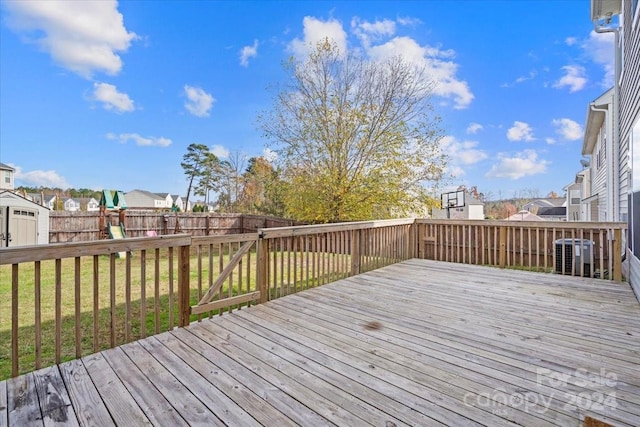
(98, 247)
(303, 230)
(584, 225)
(223, 238)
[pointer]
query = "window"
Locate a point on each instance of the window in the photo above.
(575, 197)
(7, 177)
(634, 217)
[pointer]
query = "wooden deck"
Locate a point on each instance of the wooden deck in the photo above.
(416, 343)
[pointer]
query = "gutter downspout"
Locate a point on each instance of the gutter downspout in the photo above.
(615, 127)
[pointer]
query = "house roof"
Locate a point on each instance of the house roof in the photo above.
(548, 202)
(155, 196)
(6, 167)
(13, 195)
(594, 121)
(553, 211)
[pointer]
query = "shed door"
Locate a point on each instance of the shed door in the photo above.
(23, 226)
(3, 225)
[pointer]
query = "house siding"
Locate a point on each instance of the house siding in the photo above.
(629, 108)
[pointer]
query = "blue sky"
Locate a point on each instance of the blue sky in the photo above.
(109, 95)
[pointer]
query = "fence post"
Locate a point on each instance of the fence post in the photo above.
(503, 247)
(617, 254)
(263, 263)
(413, 238)
(355, 252)
(184, 305)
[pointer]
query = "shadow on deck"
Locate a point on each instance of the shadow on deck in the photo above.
(415, 343)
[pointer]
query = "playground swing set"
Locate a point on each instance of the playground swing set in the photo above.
(112, 201)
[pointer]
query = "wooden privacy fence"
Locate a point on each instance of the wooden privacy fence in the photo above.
(581, 249)
(67, 300)
(66, 227)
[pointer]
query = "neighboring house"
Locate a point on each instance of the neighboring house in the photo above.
(178, 202)
(46, 200)
(574, 193)
(524, 215)
(7, 177)
(141, 199)
(555, 213)
(167, 198)
(547, 202)
(473, 209)
(626, 113)
(72, 205)
(92, 205)
(606, 199)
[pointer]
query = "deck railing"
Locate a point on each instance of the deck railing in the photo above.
(589, 249)
(66, 300)
(63, 301)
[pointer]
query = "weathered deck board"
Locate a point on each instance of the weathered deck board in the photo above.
(417, 343)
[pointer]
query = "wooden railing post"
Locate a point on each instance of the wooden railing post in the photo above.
(502, 257)
(355, 252)
(413, 238)
(617, 254)
(262, 268)
(184, 305)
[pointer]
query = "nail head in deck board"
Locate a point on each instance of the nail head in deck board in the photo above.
(90, 409)
(121, 406)
(22, 400)
(55, 404)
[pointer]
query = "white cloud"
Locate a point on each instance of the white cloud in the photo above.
(248, 52)
(40, 178)
(455, 171)
(112, 99)
(270, 155)
(432, 59)
(521, 79)
(473, 128)
(600, 48)
(520, 131)
(550, 141)
(370, 31)
(199, 102)
(220, 151)
(574, 78)
(568, 129)
(525, 163)
(462, 152)
(123, 138)
(408, 21)
(82, 36)
(570, 41)
(316, 30)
